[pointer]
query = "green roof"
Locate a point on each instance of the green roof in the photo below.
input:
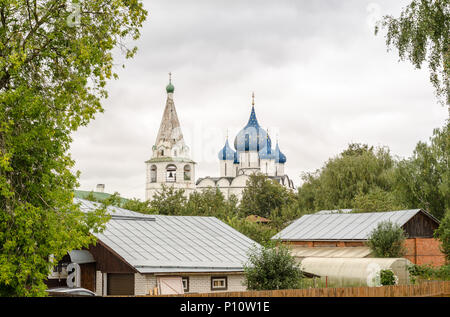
(83, 194)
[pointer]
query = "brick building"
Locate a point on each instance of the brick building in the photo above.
(344, 234)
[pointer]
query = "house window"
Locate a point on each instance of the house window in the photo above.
(185, 281)
(219, 283)
(153, 174)
(187, 173)
(171, 173)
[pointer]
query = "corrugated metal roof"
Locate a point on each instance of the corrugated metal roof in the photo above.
(341, 226)
(173, 243)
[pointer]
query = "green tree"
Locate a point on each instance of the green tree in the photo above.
(53, 76)
(443, 234)
(283, 216)
(169, 201)
(137, 205)
(262, 195)
(423, 180)
(271, 268)
(376, 200)
(386, 240)
(210, 202)
(356, 171)
(422, 33)
(258, 232)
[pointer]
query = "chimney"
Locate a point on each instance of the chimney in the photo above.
(100, 188)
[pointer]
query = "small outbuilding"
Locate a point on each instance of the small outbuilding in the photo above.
(140, 254)
(343, 234)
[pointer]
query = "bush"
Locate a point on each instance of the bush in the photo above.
(427, 272)
(386, 241)
(387, 277)
(272, 268)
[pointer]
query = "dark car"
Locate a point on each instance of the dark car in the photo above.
(69, 292)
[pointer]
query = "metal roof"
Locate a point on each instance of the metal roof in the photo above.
(341, 226)
(157, 243)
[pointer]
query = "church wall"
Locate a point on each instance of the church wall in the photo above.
(280, 169)
(268, 167)
(152, 187)
(229, 171)
(249, 159)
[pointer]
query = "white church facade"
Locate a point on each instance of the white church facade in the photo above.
(170, 164)
(253, 152)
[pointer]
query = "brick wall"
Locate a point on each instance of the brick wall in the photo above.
(419, 250)
(424, 251)
(144, 283)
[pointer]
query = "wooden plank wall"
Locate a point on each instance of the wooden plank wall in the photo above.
(435, 288)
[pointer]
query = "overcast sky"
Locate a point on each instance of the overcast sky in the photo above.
(321, 78)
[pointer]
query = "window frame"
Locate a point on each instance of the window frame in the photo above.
(185, 278)
(223, 288)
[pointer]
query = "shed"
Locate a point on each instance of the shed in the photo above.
(138, 254)
(343, 228)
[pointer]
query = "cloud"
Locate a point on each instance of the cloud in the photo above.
(322, 79)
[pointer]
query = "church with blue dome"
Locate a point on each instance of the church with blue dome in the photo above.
(253, 153)
(171, 166)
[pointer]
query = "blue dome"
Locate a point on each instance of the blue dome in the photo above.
(236, 158)
(266, 153)
(279, 157)
(227, 153)
(251, 137)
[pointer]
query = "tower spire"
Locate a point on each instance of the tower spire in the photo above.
(253, 98)
(170, 88)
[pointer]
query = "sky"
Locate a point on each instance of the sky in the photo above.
(321, 79)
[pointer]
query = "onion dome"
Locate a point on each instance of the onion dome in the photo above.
(266, 153)
(227, 153)
(236, 158)
(252, 137)
(279, 157)
(170, 88)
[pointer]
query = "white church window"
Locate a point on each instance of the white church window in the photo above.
(171, 173)
(153, 174)
(187, 173)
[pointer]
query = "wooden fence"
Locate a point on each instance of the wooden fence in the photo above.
(435, 288)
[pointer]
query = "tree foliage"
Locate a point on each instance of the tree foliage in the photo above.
(262, 195)
(377, 200)
(443, 234)
(386, 240)
(258, 232)
(358, 170)
(422, 33)
(423, 180)
(168, 201)
(271, 268)
(52, 78)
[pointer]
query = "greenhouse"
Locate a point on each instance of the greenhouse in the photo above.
(337, 272)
